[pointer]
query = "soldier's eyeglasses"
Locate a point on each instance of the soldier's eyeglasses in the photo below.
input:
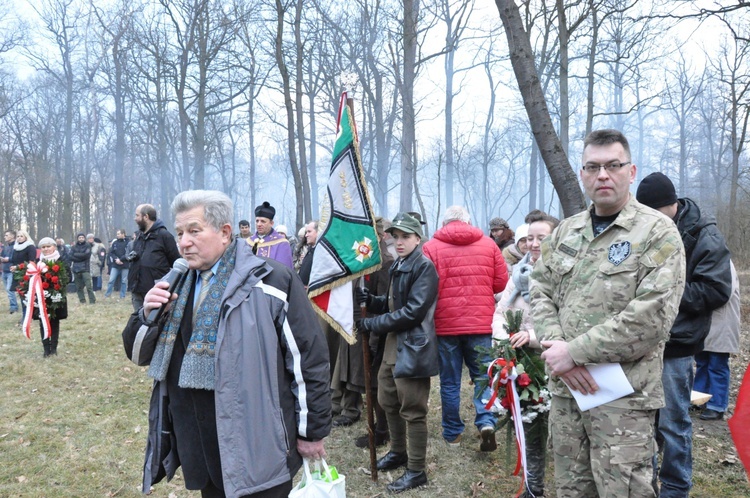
(609, 167)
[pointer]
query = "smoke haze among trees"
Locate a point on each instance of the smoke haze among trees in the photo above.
(107, 105)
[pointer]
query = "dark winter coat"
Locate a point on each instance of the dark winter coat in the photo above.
(118, 250)
(23, 256)
(80, 255)
(156, 251)
(708, 279)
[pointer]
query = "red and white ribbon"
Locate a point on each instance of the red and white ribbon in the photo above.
(35, 290)
(503, 373)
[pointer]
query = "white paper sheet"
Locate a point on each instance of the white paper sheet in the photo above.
(612, 385)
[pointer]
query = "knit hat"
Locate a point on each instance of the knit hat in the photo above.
(521, 232)
(265, 210)
(656, 190)
(89, 236)
(47, 241)
(282, 229)
(80, 234)
(406, 223)
(498, 223)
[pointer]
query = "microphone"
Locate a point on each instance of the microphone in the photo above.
(179, 268)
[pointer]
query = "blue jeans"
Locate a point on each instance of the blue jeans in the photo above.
(8, 284)
(454, 351)
(712, 377)
(114, 272)
(674, 429)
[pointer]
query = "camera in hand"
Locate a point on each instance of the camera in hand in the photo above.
(132, 256)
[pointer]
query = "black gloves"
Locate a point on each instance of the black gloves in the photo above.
(363, 296)
(360, 325)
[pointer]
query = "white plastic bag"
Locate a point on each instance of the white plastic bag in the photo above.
(323, 483)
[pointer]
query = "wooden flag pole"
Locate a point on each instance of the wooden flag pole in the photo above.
(367, 361)
(367, 366)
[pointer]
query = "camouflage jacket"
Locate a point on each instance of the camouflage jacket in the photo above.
(613, 298)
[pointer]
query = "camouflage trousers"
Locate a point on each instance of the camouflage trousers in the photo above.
(603, 452)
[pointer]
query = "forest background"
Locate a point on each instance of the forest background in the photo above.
(109, 104)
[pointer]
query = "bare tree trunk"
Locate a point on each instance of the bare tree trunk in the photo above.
(67, 186)
(591, 71)
(411, 16)
(118, 189)
(534, 179)
(298, 94)
(251, 139)
(563, 37)
(449, 125)
(522, 60)
(288, 104)
(312, 166)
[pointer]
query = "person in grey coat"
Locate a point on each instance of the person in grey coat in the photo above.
(241, 367)
(712, 373)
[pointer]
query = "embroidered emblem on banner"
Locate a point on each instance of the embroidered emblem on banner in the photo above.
(619, 252)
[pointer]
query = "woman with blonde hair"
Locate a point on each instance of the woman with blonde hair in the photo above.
(50, 277)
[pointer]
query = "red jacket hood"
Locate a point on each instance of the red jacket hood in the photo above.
(458, 233)
(471, 270)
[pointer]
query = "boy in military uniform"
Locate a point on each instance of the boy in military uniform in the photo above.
(411, 356)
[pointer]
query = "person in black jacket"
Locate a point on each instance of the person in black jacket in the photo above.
(24, 251)
(118, 264)
(708, 286)
(411, 352)
(80, 255)
(8, 284)
(64, 250)
(154, 252)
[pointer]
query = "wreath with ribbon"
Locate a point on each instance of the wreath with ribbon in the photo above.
(42, 285)
(518, 387)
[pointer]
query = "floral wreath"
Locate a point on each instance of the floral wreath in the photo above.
(54, 278)
(518, 386)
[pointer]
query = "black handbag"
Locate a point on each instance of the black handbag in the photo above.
(416, 356)
(140, 342)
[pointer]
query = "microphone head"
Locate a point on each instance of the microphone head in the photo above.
(181, 266)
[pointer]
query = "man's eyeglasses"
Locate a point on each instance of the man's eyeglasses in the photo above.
(592, 168)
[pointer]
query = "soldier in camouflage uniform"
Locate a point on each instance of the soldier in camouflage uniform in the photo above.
(606, 289)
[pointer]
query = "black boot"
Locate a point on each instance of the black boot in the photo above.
(54, 336)
(410, 480)
(53, 342)
(392, 460)
(47, 348)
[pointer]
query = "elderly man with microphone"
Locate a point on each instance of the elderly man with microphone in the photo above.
(240, 365)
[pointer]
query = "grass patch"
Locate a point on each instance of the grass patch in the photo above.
(75, 425)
